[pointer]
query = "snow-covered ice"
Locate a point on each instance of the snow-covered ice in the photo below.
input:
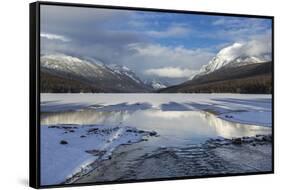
(68, 149)
(243, 108)
(263, 118)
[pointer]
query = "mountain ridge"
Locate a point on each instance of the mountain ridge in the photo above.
(251, 78)
(90, 74)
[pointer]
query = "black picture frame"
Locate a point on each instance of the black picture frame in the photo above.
(34, 93)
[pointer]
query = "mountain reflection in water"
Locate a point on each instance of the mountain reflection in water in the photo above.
(174, 127)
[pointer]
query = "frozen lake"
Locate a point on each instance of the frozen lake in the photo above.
(176, 128)
(180, 120)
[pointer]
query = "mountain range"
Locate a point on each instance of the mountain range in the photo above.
(64, 73)
(229, 71)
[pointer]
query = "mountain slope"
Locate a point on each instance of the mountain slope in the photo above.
(232, 56)
(55, 84)
(125, 71)
(235, 69)
(82, 75)
(250, 78)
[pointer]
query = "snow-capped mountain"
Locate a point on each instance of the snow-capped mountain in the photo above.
(123, 70)
(59, 63)
(232, 56)
(238, 68)
(92, 72)
(156, 84)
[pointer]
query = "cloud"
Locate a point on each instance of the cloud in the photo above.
(258, 46)
(173, 31)
(234, 29)
(54, 37)
(151, 44)
(160, 55)
(171, 72)
(150, 60)
(87, 26)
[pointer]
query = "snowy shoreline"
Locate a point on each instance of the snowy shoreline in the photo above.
(68, 151)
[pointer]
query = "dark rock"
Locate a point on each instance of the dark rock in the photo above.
(63, 142)
(153, 133)
(92, 130)
(66, 127)
(237, 141)
(95, 152)
(259, 138)
(82, 136)
(211, 146)
(247, 140)
(268, 138)
(71, 131)
(228, 116)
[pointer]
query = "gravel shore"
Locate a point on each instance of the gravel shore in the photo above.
(215, 156)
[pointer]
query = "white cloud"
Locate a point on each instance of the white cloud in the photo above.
(158, 56)
(259, 44)
(170, 72)
(255, 47)
(54, 37)
(150, 60)
(237, 29)
(174, 31)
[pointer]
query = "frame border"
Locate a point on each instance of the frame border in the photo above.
(34, 95)
(34, 92)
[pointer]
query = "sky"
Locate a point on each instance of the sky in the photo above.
(169, 47)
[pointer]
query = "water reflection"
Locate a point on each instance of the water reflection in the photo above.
(174, 127)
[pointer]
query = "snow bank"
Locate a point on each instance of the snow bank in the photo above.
(263, 118)
(69, 149)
